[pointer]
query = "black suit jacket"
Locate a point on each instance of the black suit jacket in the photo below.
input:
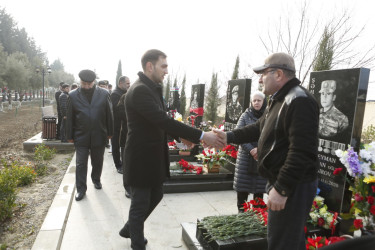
(146, 150)
(89, 124)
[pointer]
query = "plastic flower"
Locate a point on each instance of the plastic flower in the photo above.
(337, 171)
(369, 179)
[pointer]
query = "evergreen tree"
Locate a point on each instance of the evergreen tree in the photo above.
(212, 100)
(167, 89)
(119, 72)
(183, 97)
(324, 58)
(236, 67)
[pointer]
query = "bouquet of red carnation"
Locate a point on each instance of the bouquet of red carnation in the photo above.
(259, 207)
(231, 151)
(187, 167)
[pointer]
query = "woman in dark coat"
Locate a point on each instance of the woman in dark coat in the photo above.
(246, 177)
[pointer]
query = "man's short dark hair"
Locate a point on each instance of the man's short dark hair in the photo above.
(122, 79)
(65, 85)
(152, 56)
(62, 83)
(74, 86)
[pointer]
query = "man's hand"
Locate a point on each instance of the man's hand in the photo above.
(222, 135)
(276, 202)
(212, 140)
(254, 153)
(109, 137)
(71, 141)
(189, 144)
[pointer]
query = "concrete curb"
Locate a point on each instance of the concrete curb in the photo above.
(52, 230)
(57, 144)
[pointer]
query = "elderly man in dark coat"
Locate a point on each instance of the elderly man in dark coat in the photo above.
(89, 124)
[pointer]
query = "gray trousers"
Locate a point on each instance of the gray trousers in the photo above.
(285, 228)
(82, 155)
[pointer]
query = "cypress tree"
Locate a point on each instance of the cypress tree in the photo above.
(236, 67)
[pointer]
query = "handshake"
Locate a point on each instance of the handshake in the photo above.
(213, 139)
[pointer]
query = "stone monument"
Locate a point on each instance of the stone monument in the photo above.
(196, 104)
(238, 100)
(341, 95)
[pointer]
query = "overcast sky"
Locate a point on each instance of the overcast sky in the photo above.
(199, 36)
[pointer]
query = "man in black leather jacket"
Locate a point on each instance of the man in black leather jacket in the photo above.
(89, 124)
(287, 137)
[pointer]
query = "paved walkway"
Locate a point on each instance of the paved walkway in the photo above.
(94, 222)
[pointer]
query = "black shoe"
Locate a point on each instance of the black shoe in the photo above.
(127, 195)
(124, 232)
(79, 196)
(97, 185)
(119, 170)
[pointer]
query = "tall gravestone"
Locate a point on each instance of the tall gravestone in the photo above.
(196, 104)
(238, 100)
(173, 104)
(341, 95)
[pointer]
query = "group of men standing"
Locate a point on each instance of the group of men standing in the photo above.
(287, 150)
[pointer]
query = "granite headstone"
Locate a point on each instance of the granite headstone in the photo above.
(196, 104)
(238, 100)
(341, 95)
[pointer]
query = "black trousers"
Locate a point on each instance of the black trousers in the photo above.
(82, 155)
(293, 218)
(62, 131)
(115, 141)
(58, 127)
(143, 202)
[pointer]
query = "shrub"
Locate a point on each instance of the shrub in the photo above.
(21, 175)
(7, 193)
(42, 152)
(368, 135)
(40, 168)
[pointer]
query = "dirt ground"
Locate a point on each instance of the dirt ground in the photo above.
(33, 201)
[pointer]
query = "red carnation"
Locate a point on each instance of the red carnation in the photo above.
(358, 223)
(370, 200)
(337, 171)
(321, 222)
(358, 197)
(372, 209)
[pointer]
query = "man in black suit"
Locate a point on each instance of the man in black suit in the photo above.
(89, 124)
(121, 88)
(146, 150)
(59, 117)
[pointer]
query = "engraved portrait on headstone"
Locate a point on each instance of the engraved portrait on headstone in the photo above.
(234, 107)
(341, 95)
(331, 120)
(238, 100)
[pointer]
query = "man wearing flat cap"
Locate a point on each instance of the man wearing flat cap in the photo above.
(331, 121)
(89, 124)
(287, 136)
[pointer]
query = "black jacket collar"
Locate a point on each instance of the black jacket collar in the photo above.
(149, 82)
(280, 95)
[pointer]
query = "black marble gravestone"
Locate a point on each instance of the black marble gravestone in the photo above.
(238, 100)
(341, 95)
(196, 104)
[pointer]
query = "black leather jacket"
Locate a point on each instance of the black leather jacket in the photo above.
(89, 124)
(287, 137)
